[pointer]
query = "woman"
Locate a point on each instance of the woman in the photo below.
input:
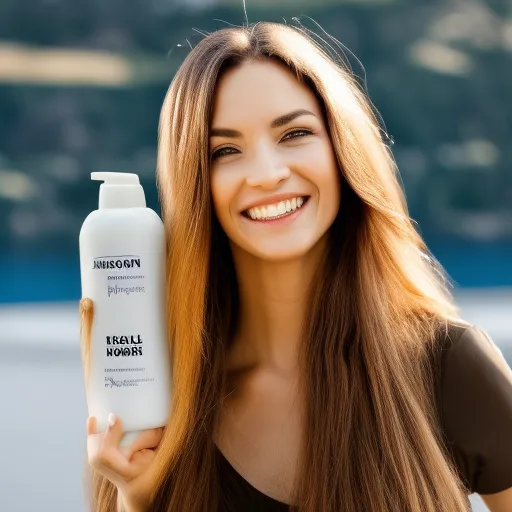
(318, 357)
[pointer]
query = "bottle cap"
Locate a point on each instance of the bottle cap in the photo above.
(120, 190)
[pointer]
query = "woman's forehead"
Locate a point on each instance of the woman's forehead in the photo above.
(259, 89)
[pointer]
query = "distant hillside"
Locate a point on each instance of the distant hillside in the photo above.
(439, 74)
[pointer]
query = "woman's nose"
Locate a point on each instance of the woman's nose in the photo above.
(268, 172)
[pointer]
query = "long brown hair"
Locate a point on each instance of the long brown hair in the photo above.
(372, 436)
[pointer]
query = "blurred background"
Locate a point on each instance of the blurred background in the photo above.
(81, 86)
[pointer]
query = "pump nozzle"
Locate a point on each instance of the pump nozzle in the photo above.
(116, 178)
(119, 190)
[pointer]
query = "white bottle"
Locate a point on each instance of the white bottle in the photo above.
(122, 263)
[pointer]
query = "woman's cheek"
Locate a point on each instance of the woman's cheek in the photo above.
(223, 191)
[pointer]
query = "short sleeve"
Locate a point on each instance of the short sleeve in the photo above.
(477, 411)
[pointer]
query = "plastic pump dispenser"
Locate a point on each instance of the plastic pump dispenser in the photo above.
(120, 190)
(122, 263)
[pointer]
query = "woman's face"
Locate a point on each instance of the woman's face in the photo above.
(274, 177)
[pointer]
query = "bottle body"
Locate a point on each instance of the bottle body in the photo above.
(122, 264)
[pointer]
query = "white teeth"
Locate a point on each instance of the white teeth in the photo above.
(275, 210)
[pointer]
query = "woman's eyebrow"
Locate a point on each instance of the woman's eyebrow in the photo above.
(288, 118)
(225, 132)
(276, 123)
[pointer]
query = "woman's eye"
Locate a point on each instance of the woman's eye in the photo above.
(218, 153)
(223, 152)
(297, 133)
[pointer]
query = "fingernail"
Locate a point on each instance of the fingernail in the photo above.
(111, 420)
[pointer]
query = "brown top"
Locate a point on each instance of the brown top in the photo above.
(475, 404)
(474, 397)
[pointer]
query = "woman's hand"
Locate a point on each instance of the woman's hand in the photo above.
(125, 466)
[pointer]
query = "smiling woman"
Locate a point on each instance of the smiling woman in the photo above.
(319, 363)
(269, 144)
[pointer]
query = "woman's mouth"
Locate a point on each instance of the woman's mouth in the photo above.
(283, 210)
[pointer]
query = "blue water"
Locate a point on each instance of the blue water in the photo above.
(40, 278)
(47, 278)
(472, 265)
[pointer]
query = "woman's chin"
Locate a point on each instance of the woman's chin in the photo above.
(279, 251)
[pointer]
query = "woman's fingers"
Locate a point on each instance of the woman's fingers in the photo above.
(103, 450)
(149, 439)
(118, 463)
(114, 432)
(92, 426)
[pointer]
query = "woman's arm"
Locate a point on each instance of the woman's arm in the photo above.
(500, 501)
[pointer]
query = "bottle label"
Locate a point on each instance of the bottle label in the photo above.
(124, 346)
(120, 281)
(117, 381)
(102, 263)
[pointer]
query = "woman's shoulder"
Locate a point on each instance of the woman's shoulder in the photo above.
(475, 400)
(462, 335)
(468, 354)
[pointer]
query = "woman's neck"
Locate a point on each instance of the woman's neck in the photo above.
(273, 301)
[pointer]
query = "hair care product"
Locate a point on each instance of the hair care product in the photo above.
(122, 263)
